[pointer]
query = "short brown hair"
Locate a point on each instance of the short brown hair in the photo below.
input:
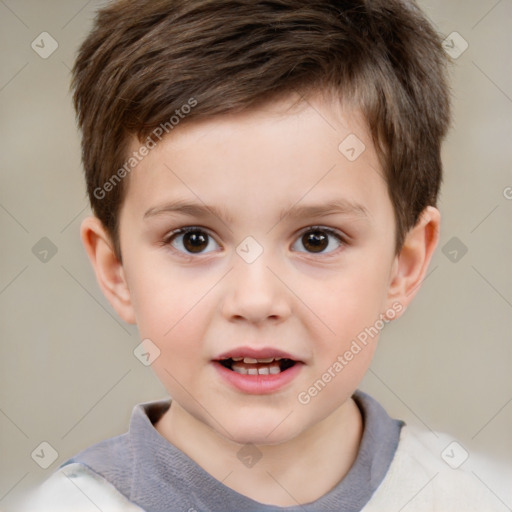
(144, 60)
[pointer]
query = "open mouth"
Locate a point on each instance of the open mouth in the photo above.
(251, 366)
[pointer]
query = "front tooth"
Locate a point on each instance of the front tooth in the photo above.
(263, 371)
(274, 369)
(250, 360)
(266, 360)
(252, 371)
(239, 369)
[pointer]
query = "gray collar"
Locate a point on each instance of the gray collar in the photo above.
(158, 477)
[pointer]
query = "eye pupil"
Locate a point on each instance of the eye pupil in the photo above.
(195, 241)
(316, 239)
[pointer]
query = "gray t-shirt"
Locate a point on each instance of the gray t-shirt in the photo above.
(158, 477)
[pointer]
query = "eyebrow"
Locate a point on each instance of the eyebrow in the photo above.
(333, 207)
(189, 208)
(198, 210)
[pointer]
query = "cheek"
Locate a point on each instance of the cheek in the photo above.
(175, 328)
(173, 308)
(348, 302)
(167, 301)
(174, 325)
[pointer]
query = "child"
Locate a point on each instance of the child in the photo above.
(263, 177)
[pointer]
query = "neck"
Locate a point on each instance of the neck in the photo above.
(321, 456)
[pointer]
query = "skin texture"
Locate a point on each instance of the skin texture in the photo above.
(195, 306)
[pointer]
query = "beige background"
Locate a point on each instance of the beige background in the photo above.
(68, 375)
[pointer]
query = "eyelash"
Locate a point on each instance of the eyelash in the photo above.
(330, 232)
(190, 229)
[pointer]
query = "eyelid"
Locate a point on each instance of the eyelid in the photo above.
(166, 242)
(339, 235)
(186, 229)
(342, 238)
(335, 232)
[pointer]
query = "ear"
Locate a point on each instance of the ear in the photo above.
(109, 271)
(411, 264)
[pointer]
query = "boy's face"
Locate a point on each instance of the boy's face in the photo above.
(250, 281)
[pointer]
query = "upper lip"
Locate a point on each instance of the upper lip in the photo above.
(256, 353)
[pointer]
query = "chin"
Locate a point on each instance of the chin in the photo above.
(260, 431)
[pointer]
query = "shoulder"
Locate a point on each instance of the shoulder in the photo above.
(76, 487)
(430, 471)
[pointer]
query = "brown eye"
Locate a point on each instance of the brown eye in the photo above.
(315, 241)
(190, 240)
(318, 240)
(195, 241)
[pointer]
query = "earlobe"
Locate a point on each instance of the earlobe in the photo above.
(411, 264)
(109, 271)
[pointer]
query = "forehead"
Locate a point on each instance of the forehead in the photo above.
(262, 160)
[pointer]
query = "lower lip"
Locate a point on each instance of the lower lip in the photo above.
(258, 384)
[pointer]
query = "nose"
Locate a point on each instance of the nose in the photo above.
(254, 293)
